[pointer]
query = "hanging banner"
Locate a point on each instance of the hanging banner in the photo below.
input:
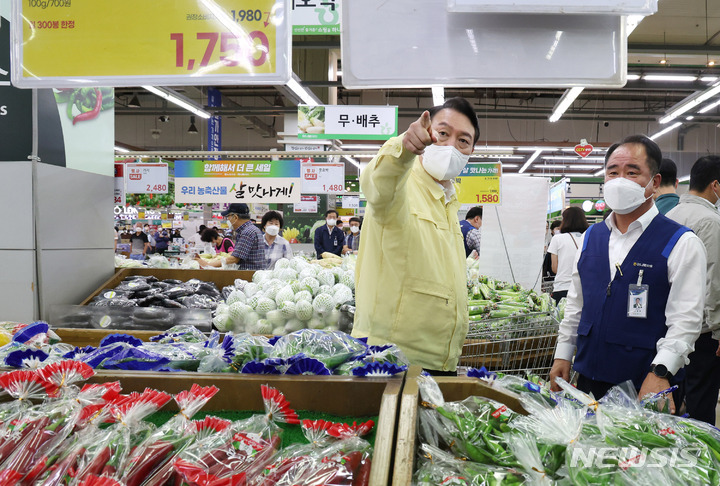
(146, 178)
(307, 204)
(583, 149)
(225, 181)
(66, 43)
(480, 184)
(347, 122)
(119, 184)
(316, 17)
(215, 122)
(319, 178)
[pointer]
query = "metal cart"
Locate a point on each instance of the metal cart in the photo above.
(513, 345)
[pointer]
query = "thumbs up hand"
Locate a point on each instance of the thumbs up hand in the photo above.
(419, 135)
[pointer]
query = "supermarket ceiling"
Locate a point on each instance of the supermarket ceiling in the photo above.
(672, 55)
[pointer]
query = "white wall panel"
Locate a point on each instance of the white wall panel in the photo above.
(16, 200)
(18, 289)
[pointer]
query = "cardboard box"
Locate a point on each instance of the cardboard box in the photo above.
(454, 389)
(92, 337)
(337, 395)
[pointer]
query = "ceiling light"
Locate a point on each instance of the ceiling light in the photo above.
(669, 77)
(134, 102)
(632, 77)
(708, 79)
(179, 100)
(690, 102)
(121, 150)
(361, 146)
(438, 94)
(305, 95)
(599, 173)
(711, 63)
(663, 61)
(588, 167)
(352, 161)
(689, 117)
(532, 158)
(550, 166)
(709, 107)
(193, 129)
(666, 130)
(510, 166)
(684, 178)
(564, 102)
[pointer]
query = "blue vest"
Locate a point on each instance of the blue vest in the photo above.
(466, 228)
(611, 346)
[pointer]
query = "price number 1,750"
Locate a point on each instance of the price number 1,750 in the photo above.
(234, 51)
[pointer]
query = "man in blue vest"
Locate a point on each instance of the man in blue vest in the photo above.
(635, 254)
(470, 228)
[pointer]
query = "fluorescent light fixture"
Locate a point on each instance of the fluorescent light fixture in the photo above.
(550, 166)
(665, 130)
(669, 77)
(684, 178)
(176, 98)
(564, 102)
(688, 118)
(585, 167)
(532, 158)
(121, 150)
(599, 173)
(708, 79)
(352, 161)
(690, 102)
(633, 77)
(493, 148)
(299, 93)
(438, 94)
(361, 146)
(709, 107)
(568, 157)
(510, 166)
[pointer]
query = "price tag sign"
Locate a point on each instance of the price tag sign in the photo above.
(319, 178)
(307, 204)
(146, 178)
(351, 202)
(67, 43)
(480, 184)
(119, 184)
(347, 122)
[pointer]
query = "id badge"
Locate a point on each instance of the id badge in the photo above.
(638, 301)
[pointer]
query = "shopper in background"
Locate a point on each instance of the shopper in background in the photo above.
(249, 251)
(548, 273)
(410, 276)
(328, 237)
(352, 241)
(176, 234)
(222, 243)
(666, 196)
(563, 248)
(162, 240)
(276, 247)
(698, 211)
(117, 235)
(195, 241)
(470, 228)
(151, 240)
(139, 245)
(635, 253)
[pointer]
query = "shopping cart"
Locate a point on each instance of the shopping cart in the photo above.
(515, 345)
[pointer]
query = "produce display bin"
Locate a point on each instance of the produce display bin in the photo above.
(336, 395)
(454, 389)
(513, 345)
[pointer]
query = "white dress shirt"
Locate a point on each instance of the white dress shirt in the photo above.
(686, 300)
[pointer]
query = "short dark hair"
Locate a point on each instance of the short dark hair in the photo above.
(463, 106)
(555, 224)
(270, 215)
(704, 171)
(668, 172)
(331, 211)
(573, 220)
(355, 219)
(474, 211)
(652, 151)
(201, 228)
(209, 235)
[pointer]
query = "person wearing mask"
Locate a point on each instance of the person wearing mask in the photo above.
(563, 248)
(666, 196)
(698, 211)
(410, 285)
(139, 244)
(276, 247)
(470, 228)
(249, 251)
(222, 243)
(635, 253)
(195, 241)
(328, 237)
(352, 241)
(162, 240)
(151, 240)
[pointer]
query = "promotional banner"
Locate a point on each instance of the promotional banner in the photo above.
(316, 17)
(347, 122)
(215, 122)
(480, 184)
(320, 178)
(66, 43)
(119, 184)
(146, 178)
(229, 181)
(15, 107)
(556, 201)
(307, 204)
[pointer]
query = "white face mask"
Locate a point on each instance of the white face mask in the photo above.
(556, 231)
(272, 229)
(354, 229)
(624, 196)
(138, 230)
(443, 162)
(331, 222)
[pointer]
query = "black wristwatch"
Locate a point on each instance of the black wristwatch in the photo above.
(661, 371)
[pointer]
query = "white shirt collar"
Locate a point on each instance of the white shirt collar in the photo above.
(642, 222)
(448, 189)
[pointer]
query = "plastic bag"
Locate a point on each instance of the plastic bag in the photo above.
(331, 347)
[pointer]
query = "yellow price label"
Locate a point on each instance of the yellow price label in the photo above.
(480, 184)
(167, 224)
(139, 38)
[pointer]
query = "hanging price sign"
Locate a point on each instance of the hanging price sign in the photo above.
(64, 43)
(480, 184)
(320, 178)
(146, 178)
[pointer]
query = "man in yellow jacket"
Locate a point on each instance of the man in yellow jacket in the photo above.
(411, 285)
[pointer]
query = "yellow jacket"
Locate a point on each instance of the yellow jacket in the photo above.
(411, 286)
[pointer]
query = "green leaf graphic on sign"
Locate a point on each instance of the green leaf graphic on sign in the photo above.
(323, 15)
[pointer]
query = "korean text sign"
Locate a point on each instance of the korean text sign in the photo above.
(316, 17)
(319, 178)
(65, 43)
(347, 122)
(480, 184)
(228, 181)
(146, 178)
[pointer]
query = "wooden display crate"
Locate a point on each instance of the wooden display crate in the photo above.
(454, 389)
(336, 395)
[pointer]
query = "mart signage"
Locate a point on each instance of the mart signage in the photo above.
(355, 122)
(479, 184)
(316, 17)
(322, 178)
